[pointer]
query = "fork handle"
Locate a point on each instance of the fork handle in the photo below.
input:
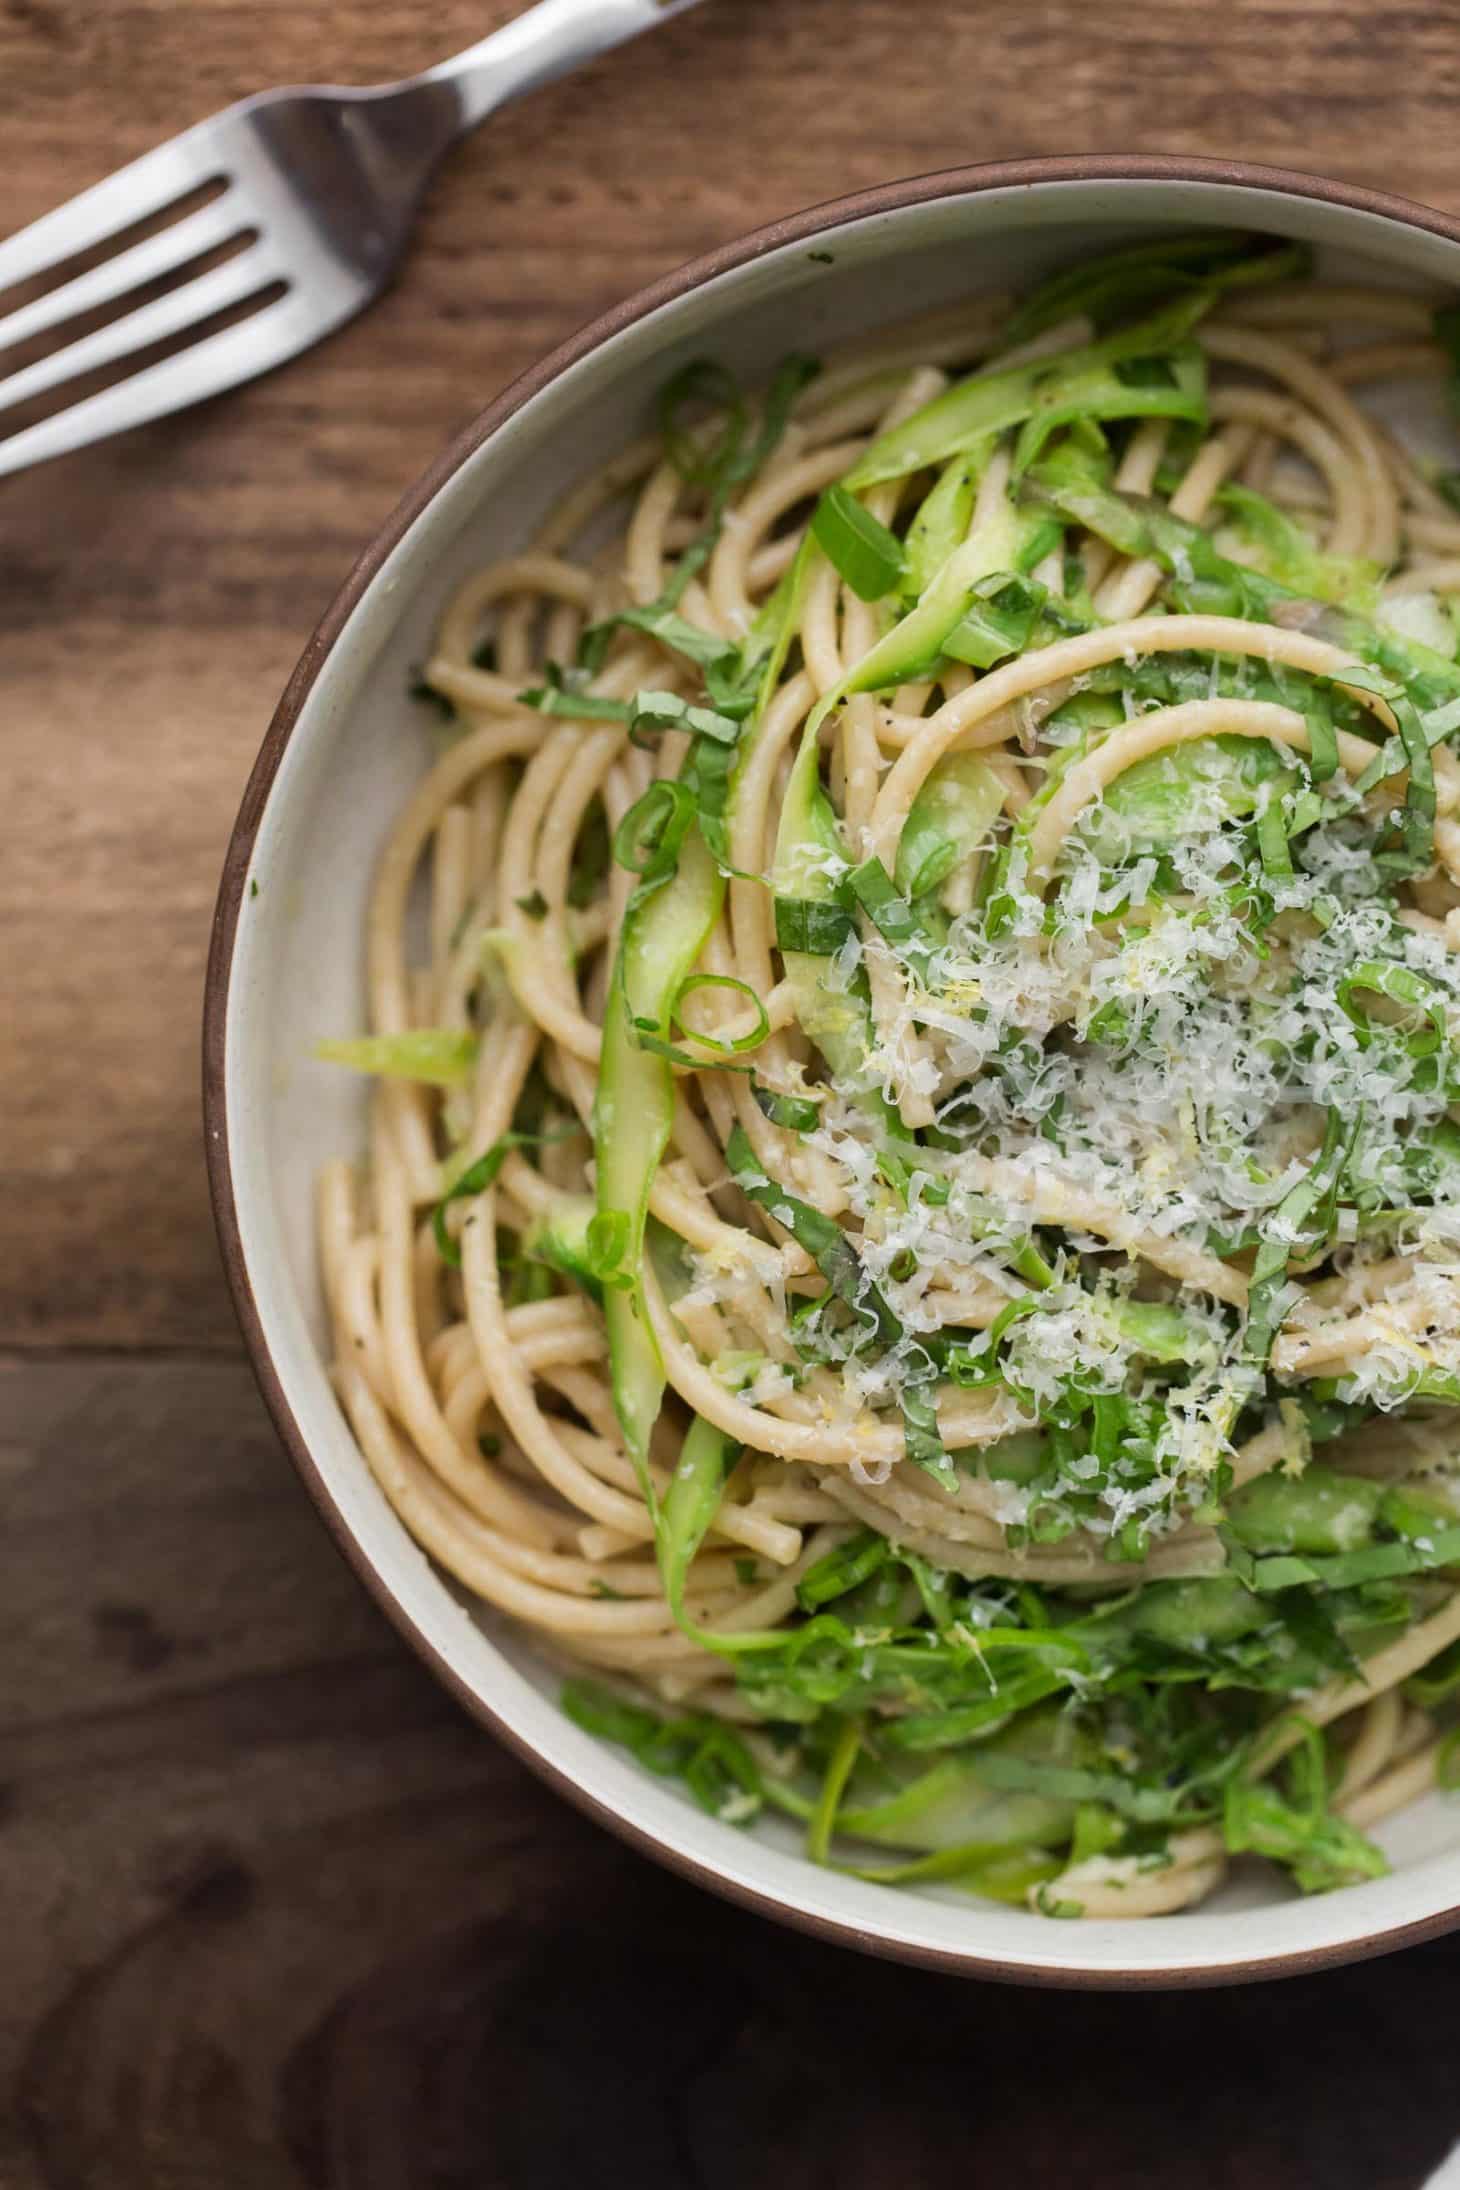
(547, 41)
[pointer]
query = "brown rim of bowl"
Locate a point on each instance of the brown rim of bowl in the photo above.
(796, 228)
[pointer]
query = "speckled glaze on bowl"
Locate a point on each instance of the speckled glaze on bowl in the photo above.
(286, 966)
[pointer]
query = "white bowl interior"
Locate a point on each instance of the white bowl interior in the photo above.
(356, 752)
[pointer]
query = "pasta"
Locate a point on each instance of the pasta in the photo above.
(911, 1230)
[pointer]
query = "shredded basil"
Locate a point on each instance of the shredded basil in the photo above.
(864, 552)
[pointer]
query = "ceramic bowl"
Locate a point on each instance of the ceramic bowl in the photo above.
(343, 753)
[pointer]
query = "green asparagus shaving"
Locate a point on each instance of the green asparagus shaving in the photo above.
(950, 821)
(914, 645)
(1082, 383)
(804, 924)
(842, 1570)
(1377, 1562)
(1177, 388)
(688, 1508)
(822, 1822)
(1287, 554)
(1146, 1804)
(437, 1056)
(706, 1753)
(997, 1874)
(1317, 1511)
(669, 914)
(942, 520)
(1320, 1848)
(1117, 283)
(1052, 1661)
(571, 1238)
(1150, 804)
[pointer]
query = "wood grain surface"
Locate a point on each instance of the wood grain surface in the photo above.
(272, 1915)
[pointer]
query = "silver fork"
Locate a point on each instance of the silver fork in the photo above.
(318, 185)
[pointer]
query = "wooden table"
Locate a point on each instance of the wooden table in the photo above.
(271, 1913)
